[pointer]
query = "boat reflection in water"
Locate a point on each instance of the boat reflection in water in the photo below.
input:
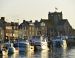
(44, 53)
(58, 53)
(30, 54)
(64, 53)
(59, 42)
(15, 55)
(52, 53)
(5, 56)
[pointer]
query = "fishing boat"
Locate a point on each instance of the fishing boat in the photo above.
(29, 45)
(23, 46)
(20, 45)
(10, 48)
(3, 49)
(40, 43)
(59, 42)
(64, 44)
(44, 44)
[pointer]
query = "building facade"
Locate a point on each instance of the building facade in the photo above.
(11, 30)
(53, 26)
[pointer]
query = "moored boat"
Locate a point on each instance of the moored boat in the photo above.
(59, 42)
(11, 49)
(40, 43)
(3, 50)
(44, 44)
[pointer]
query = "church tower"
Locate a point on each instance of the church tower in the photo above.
(55, 17)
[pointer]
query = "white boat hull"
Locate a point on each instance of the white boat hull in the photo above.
(44, 46)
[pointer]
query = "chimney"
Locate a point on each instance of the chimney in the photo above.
(3, 18)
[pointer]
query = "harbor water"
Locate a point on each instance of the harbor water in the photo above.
(52, 53)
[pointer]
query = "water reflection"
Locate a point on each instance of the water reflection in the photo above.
(15, 55)
(64, 53)
(52, 53)
(58, 53)
(44, 54)
(4, 56)
(30, 54)
(71, 53)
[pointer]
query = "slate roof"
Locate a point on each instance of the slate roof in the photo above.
(24, 24)
(62, 22)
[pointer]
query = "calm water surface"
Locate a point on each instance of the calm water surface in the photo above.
(52, 53)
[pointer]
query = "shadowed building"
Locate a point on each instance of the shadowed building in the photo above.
(61, 25)
(2, 28)
(53, 26)
(56, 25)
(28, 29)
(23, 29)
(49, 27)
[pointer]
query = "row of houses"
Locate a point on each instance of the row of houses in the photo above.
(54, 25)
(8, 30)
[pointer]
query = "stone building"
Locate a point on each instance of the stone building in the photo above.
(56, 25)
(2, 28)
(64, 28)
(53, 26)
(23, 29)
(49, 27)
(27, 29)
(11, 30)
(61, 25)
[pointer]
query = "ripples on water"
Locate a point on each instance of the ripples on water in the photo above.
(52, 53)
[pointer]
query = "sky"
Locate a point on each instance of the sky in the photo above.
(36, 9)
